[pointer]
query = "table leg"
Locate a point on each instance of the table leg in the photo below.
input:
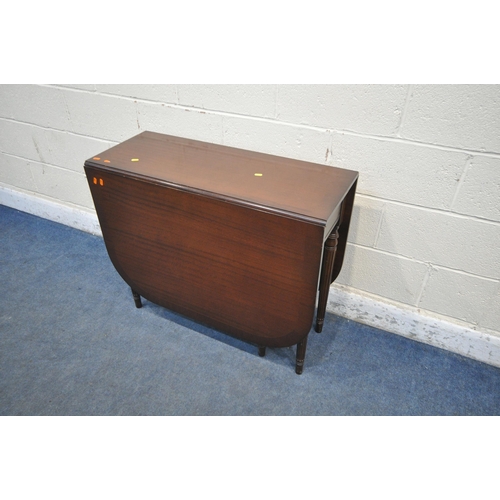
(262, 351)
(325, 278)
(301, 354)
(137, 299)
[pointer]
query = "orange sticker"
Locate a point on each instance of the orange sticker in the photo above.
(96, 158)
(107, 161)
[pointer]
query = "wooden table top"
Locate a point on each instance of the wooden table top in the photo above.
(294, 188)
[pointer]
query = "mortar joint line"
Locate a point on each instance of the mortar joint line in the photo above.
(31, 161)
(62, 131)
(443, 211)
(70, 122)
(37, 190)
(276, 101)
(388, 138)
(137, 115)
(379, 227)
(403, 113)
(461, 180)
(434, 265)
(424, 284)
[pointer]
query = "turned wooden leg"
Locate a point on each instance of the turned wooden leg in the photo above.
(326, 275)
(301, 354)
(137, 299)
(262, 351)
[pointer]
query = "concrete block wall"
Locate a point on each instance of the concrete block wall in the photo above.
(425, 236)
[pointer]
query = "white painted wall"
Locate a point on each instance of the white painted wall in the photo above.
(425, 236)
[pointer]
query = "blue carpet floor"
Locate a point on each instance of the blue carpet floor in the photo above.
(73, 343)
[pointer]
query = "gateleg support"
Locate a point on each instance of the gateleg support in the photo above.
(325, 278)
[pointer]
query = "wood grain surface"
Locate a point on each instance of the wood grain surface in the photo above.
(249, 273)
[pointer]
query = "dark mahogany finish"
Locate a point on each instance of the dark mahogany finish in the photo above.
(230, 238)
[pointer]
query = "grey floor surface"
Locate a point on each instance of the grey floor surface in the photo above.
(72, 343)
